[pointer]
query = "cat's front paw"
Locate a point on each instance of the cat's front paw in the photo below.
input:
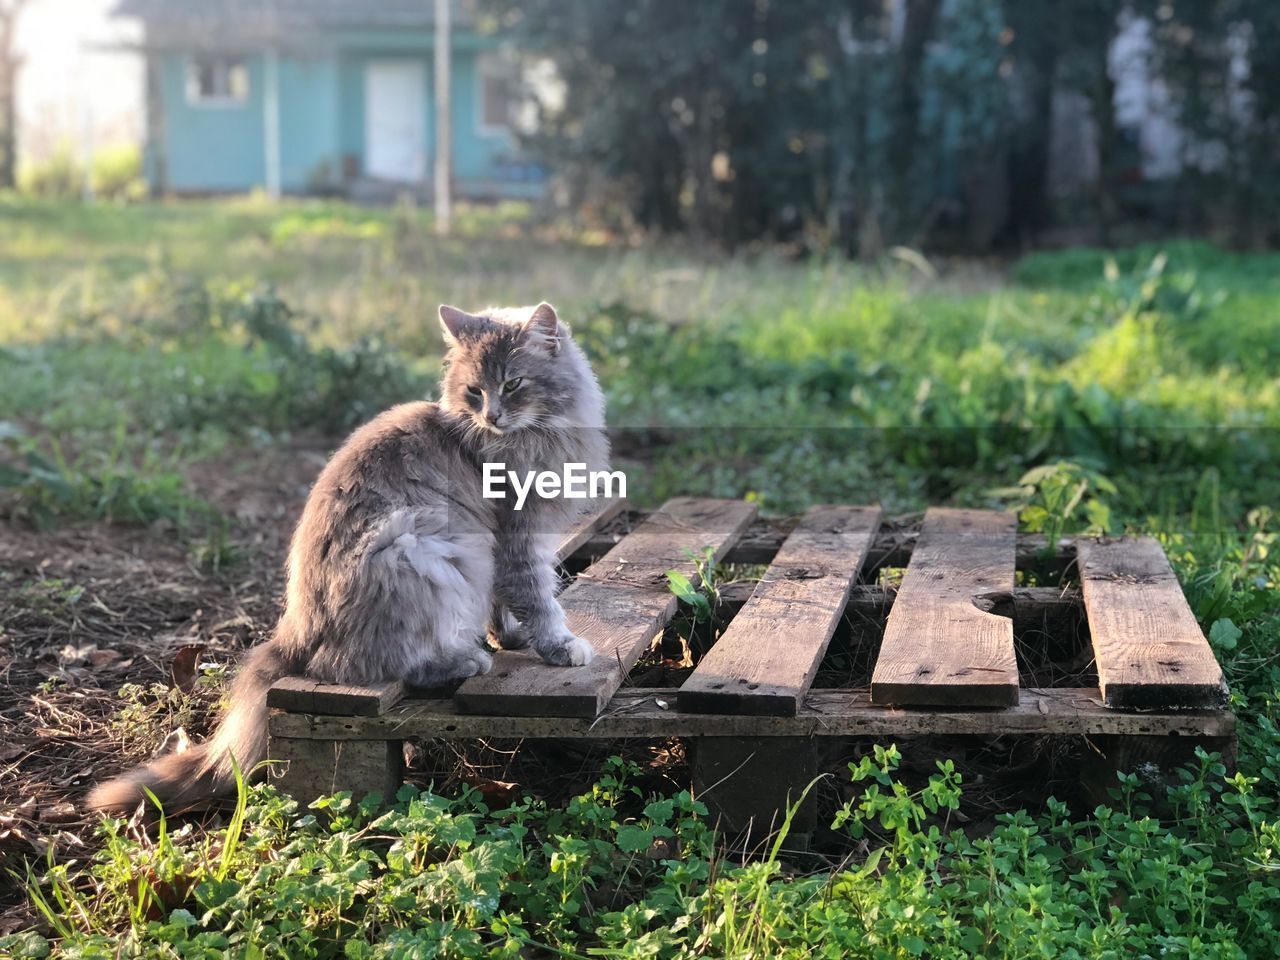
(567, 651)
(475, 664)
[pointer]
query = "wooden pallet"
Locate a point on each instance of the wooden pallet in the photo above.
(948, 660)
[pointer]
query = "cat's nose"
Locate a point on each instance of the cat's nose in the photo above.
(492, 417)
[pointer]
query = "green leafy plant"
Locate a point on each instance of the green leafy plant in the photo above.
(43, 485)
(1050, 495)
(618, 874)
(700, 597)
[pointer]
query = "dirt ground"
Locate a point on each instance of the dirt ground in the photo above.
(87, 609)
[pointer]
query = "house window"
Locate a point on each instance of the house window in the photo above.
(218, 81)
(495, 97)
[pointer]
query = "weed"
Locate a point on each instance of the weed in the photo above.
(1048, 497)
(43, 485)
(700, 598)
(618, 874)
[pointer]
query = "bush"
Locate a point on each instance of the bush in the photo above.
(41, 485)
(58, 177)
(116, 174)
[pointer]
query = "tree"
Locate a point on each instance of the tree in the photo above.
(10, 63)
(857, 124)
(1221, 59)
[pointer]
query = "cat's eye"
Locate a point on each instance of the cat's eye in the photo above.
(512, 385)
(474, 392)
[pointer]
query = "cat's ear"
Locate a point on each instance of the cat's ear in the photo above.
(458, 325)
(543, 328)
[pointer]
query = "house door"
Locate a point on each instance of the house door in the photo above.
(395, 121)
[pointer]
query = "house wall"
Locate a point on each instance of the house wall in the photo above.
(210, 147)
(220, 147)
(309, 111)
(479, 156)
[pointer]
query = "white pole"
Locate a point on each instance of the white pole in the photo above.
(271, 121)
(86, 126)
(444, 120)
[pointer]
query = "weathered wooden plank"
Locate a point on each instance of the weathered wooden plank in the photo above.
(650, 712)
(761, 541)
(586, 528)
(618, 604)
(749, 783)
(306, 767)
(303, 695)
(1149, 650)
(765, 660)
(939, 647)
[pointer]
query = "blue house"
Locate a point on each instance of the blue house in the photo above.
(323, 96)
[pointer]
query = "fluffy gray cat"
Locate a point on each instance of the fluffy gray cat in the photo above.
(399, 564)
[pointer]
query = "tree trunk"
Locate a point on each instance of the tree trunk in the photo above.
(443, 187)
(1104, 115)
(918, 30)
(1029, 158)
(8, 127)
(8, 98)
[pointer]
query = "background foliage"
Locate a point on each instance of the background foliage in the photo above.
(861, 124)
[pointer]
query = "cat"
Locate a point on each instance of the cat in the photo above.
(399, 565)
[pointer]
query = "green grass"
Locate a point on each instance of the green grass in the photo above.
(1135, 391)
(619, 874)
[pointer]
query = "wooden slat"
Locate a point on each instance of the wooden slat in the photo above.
(765, 661)
(586, 528)
(639, 712)
(618, 604)
(302, 695)
(1149, 649)
(939, 648)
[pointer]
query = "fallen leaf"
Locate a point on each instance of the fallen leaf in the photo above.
(497, 791)
(63, 812)
(104, 658)
(71, 654)
(184, 669)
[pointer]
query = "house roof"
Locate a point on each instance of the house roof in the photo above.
(256, 22)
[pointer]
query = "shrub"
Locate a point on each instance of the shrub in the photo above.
(117, 173)
(60, 176)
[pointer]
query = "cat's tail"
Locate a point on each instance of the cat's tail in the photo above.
(193, 780)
